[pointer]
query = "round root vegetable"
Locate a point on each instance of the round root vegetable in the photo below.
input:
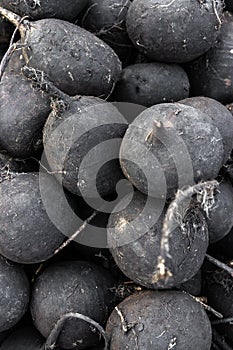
(86, 159)
(159, 320)
(72, 287)
(14, 294)
(74, 59)
(27, 338)
(26, 233)
(23, 111)
(135, 243)
(152, 83)
(220, 219)
(37, 9)
(106, 19)
(211, 75)
(221, 117)
(182, 30)
(219, 292)
(174, 141)
(99, 129)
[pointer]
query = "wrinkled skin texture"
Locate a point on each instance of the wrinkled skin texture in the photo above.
(37, 9)
(211, 75)
(14, 294)
(26, 233)
(75, 286)
(160, 319)
(136, 253)
(221, 117)
(75, 60)
(181, 138)
(151, 83)
(173, 31)
(23, 109)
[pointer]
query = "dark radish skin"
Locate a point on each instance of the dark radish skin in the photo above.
(66, 287)
(27, 234)
(148, 84)
(182, 30)
(14, 294)
(136, 247)
(220, 219)
(93, 122)
(159, 320)
(38, 9)
(219, 292)
(221, 117)
(106, 19)
(75, 60)
(23, 109)
(148, 136)
(24, 338)
(211, 75)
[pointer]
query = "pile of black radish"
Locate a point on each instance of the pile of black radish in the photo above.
(116, 175)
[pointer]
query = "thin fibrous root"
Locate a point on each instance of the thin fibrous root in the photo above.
(223, 321)
(220, 264)
(74, 235)
(52, 339)
(40, 80)
(203, 190)
(14, 19)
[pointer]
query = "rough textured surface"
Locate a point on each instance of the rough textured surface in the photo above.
(173, 31)
(136, 252)
(14, 294)
(64, 9)
(23, 111)
(170, 139)
(26, 338)
(72, 287)
(106, 19)
(26, 233)
(211, 75)
(93, 122)
(220, 220)
(75, 60)
(160, 320)
(152, 83)
(221, 117)
(219, 291)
